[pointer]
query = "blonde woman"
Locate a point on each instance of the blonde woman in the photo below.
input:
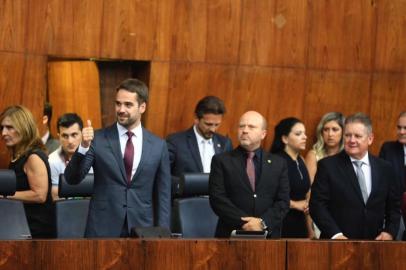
(329, 134)
(30, 163)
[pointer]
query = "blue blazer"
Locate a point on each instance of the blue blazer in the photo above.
(184, 152)
(145, 202)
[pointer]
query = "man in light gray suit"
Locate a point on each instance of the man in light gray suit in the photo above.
(132, 182)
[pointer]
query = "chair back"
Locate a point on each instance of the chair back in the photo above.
(192, 214)
(72, 212)
(14, 224)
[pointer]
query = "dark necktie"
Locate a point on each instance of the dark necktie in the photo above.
(129, 156)
(251, 169)
(361, 180)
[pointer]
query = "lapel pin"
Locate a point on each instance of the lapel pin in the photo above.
(218, 145)
(269, 161)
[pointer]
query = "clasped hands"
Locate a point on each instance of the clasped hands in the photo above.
(252, 224)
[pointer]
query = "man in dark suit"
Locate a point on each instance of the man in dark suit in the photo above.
(191, 151)
(394, 152)
(355, 195)
(249, 187)
(50, 142)
(131, 169)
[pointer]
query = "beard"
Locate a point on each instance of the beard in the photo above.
(126, 120)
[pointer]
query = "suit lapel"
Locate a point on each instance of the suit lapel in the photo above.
(265, 165)
(400, 158)
(349, 172)
(238, 164)
(114, 142)
(374, 177)
(218, 148)
(194, 148)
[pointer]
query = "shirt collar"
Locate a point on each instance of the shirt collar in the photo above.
(122, 130)
(45, 137)
(200, 138)
(365, 159)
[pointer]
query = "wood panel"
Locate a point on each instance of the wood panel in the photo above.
(345, 255)
(223, 36)
(209, 254)
(342, 34)
(274, 33)
(268, 91)
(347, 93)
(73, 86)
(158, 98)
(387, 101)
(189, 30)
(15, 255)
(74, 28)
(191, 82)
(69, 255)
(22, 81)
(163, 33)
(391, 36)
(128, 29)
(143, 254)
(13, 14)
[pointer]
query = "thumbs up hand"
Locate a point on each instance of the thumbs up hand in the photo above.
(87, 134)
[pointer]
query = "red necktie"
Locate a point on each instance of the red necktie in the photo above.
(129, 156)
(251, 169)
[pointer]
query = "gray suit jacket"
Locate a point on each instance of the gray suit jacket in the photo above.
(145, 202)
(52, 144)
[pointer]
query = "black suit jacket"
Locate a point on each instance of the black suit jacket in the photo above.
(184, 151)
(336, 203)
(393, 153)
(231, 196)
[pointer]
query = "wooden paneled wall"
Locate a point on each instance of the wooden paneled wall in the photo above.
(281, 57)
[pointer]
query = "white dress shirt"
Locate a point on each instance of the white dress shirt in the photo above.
(136, 140)
(206, 150)
(366, 169)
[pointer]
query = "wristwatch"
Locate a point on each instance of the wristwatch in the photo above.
(263, 224)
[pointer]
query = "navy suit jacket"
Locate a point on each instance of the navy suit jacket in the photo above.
(336, 203)
(393, 153)
(145, 202)
(184, 152)
(232, 197)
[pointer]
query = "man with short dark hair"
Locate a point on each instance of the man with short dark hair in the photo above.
(132, 184)
(50, 142)
(356, 195)
(394, 152)
(192, 150)
(69, 127)
(249, 187)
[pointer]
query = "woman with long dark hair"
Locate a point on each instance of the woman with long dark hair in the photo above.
(289, 141)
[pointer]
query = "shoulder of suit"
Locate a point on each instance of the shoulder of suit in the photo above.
(391, 145)
(180, 135)
(150, 136)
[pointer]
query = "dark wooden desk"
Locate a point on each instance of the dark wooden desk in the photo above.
(139, 254)
(357, 255)
(201, 254)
